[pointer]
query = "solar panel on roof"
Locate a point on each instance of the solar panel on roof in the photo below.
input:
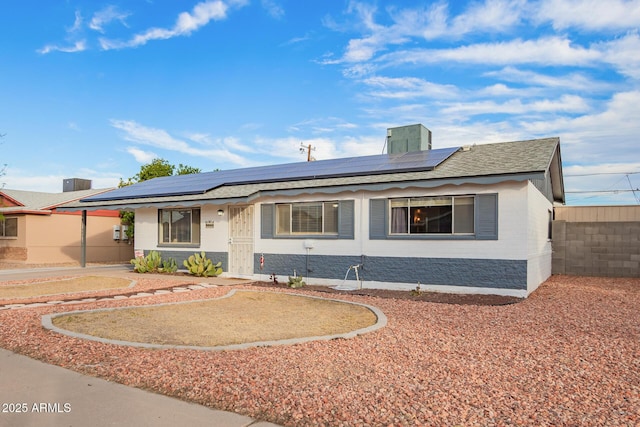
(333, 168)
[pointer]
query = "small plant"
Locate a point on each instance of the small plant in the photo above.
(148, 264)
(169, 266)
(417, 291)
(273, 278)
(199, 265)
(295, 282)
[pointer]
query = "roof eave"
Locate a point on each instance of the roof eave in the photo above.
(17, 202)
(329, 189)
(25, 212)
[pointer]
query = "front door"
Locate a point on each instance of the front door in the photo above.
(241, 240)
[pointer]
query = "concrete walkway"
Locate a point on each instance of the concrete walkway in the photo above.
(37, 394)
(48, 395)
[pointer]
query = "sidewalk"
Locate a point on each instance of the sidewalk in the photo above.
(51, 396)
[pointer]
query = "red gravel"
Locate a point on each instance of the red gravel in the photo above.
(567, 355)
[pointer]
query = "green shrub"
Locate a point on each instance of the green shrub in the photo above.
(199, 265)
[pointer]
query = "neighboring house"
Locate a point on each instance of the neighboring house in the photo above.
(473, 219)
(33, 231)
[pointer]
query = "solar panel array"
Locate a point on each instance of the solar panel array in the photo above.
(333, 168)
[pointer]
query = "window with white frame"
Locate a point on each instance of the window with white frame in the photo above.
(9, 227)
(432, 215)
(307, 218)
(179, 226)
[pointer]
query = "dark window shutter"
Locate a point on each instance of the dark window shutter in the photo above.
(346, 220)
(377, 219)
(267, 220)
(487, 217)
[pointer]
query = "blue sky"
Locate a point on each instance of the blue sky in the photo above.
(96, 89)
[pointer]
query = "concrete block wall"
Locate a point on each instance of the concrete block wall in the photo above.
(610, 249)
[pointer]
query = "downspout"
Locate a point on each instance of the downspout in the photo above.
(83, 240)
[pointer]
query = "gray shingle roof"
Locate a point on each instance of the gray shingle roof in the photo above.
(505, 160)
(34, 201)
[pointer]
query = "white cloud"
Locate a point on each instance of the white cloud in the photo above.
(202, 138)
(378, 36)
(161, 139)
(590, 15)
(322, 147)
(572, 81)
(609, 133)
(543, 51)
(273, 9)
(493, 16)
(296, 40)
(78, 46)
(142, 156)
(77, 24)
(361, 49)
(16, 179)
(432, 23)
(186, 23)
(106, 16)
(623, 54)
(74, 43)
(19, 179)
(408, 87)
(566, 104)
(322, 125)
(502, 90)
(366, 54)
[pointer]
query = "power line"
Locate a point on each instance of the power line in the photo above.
(634, 191)
(602, 173)
(604, 191)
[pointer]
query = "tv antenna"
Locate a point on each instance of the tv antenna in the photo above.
(307, 149)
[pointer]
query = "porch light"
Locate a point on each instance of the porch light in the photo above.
(220, 212)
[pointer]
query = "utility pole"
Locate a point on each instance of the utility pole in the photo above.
(307, 149)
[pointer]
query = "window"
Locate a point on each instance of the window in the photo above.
(323, 220)
(179, 226)
(9, 227)
(432, 215)
(307, 218)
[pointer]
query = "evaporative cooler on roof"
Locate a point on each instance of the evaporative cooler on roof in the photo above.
(75, 184)
(405, 139)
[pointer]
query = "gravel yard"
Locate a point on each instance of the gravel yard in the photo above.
(567, 355)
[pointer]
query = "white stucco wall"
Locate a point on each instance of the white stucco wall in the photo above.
(512, 228)
(321, 246)
(512, 208)
(539, 251)
(211, 239)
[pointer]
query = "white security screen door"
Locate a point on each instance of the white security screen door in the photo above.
(241, 240)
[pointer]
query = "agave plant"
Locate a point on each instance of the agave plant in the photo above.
(199, 265)
(295, 282)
